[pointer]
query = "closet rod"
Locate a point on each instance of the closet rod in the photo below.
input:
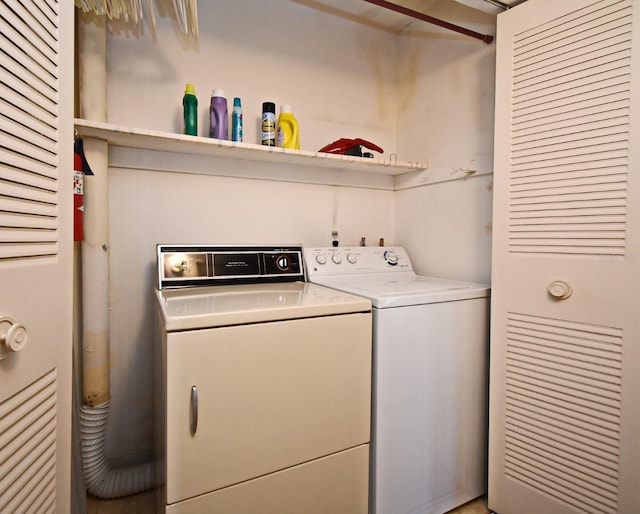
(486, 38)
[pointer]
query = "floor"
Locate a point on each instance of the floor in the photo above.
(143, 503)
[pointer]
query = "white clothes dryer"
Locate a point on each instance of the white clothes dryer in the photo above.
(263, 385)
(430, 378)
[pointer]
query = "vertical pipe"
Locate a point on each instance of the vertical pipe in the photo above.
(92, 86)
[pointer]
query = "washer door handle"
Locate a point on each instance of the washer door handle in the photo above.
(194, 410)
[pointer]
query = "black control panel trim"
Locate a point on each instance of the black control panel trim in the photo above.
(207, 265)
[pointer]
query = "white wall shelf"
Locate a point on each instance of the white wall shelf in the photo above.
(325, 165)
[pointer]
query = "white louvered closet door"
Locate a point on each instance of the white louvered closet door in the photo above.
(36, 187)
(565, 336)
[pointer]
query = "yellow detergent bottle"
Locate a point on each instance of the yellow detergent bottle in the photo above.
(288, 135)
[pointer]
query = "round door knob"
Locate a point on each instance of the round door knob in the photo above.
(16, 338)
(560, 289)
(13, 336)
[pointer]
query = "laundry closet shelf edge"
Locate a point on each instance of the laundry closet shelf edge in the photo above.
(143, 139)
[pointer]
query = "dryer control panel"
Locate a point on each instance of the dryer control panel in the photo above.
(201, 265)
(351, 260)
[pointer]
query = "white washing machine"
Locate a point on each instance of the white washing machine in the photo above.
(263, 385)
(430, 378)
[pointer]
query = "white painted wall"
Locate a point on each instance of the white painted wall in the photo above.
(446, 90)
(343, 79)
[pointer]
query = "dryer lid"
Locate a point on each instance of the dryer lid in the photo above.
(227, 305)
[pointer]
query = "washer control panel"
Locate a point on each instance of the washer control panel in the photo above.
(350, 260)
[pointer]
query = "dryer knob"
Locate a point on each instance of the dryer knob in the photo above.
(336, 258)
(392, 259)
(352, 258)
(321, 259)
(283, 263)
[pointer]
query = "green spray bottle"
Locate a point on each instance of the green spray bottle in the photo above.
(190, 111)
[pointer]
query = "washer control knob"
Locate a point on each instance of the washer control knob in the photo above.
(392, 259)
(352, 258)
(336, 258)
(321, 259)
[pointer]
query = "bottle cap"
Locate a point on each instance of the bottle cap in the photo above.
(236, 102)
(190, 90)
(268, 107)
(218, 92)
(286, 108)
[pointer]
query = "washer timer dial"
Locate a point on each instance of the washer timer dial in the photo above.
(391, 258)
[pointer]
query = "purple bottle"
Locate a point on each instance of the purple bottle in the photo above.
(219, 118)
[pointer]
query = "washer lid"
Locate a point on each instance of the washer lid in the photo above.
(402, 289)
(208, 307)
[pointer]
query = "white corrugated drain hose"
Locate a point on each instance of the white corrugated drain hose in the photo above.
(100, 479)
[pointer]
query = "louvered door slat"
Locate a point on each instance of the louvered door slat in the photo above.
(18, 221)
(579, 117)
(614, 98)
(570, 120)
(39, 468)
(32, 250)
(566, 345)
(28, 445)
(29, 130)
(558, 398)
(30, 141)
(604, 66)
(574, 63)
(551, 43)
(522, 396)
(568, 138)
(590, 192)
(560, 92)
(34, 194)
(556, 378)
(576, 228)
(26, 106)
(577, 424)
(532, 437)
(35, 77)
(544, 184)
(563, 386)
(563, 484)
(30, 177)
(545, 130)
(15, 105)
(27, 32)
(589, 157)
(17, 167)
(597, 476)
(613, 170)
(519, 206)
(23, 206)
